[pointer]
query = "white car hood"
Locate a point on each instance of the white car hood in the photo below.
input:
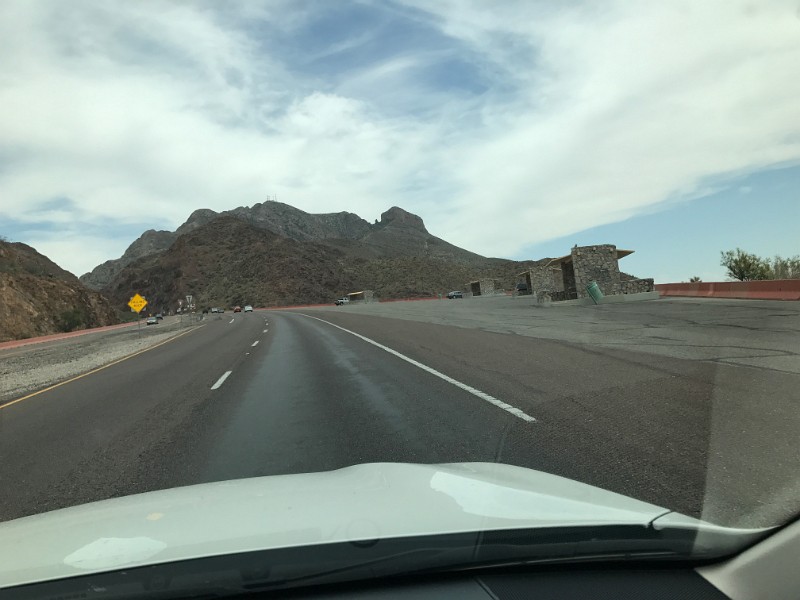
(363, 502)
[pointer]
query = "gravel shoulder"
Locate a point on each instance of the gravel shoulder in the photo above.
(29, 368)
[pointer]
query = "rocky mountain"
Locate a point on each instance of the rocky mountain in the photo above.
(397, 234)
(296, 224)
(228, 261)
(274, 254)
(37, 297)
(149, 243)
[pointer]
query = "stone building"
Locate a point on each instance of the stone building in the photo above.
(484, 287)
(364, 296)
(598, 263)
(544, 281)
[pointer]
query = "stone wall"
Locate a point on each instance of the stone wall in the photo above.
(485, 287)
(558, 278)
(596, 263)
(544, 281)
(362, 297)
(637, 286)
(568, 278)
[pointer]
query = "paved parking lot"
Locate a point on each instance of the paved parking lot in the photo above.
(756, 333)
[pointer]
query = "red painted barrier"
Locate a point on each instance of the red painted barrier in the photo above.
(776, 289)
(60, 336)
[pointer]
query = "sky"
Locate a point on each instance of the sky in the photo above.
(514, 129)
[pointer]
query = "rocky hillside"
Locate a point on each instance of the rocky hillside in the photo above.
(37, 297)
(228, 261)
(397, 234)
(149, 243)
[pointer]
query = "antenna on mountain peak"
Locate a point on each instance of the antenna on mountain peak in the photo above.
(273, 198)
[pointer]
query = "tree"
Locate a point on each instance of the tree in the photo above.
(744, 266)
(695, 279)
(786, 268)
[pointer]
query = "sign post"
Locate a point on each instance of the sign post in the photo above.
(137, 303)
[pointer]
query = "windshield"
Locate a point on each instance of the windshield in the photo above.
(396, 270)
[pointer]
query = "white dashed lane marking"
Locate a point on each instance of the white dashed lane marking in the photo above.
(221, 380)
(475, 392)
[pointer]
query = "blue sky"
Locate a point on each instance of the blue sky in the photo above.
(678, 240)
(514, 129)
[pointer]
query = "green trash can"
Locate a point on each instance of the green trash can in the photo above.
(594, 292)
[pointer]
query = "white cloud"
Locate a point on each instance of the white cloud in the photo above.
(631, 107)
(591, 114)
(76, 252)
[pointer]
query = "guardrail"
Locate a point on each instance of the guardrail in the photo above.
(775, 289)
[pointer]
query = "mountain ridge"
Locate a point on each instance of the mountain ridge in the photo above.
(398, 232)
(228, 262)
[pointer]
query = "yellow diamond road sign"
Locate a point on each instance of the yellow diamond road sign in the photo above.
(137, 303)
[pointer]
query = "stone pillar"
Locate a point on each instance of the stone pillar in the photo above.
(596, 263)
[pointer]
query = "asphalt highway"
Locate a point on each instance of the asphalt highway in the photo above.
(277, 392)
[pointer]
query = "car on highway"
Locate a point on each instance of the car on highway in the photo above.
(152, 321)
(342, 300)
(214, 310)
(453, 295)
(248, 308)
(237, 309)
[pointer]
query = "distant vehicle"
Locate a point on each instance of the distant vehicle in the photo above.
(160, 317)
(340, 301)
(237, 309)
(215, 310)
(152, 321)
(248, 308)
(451, 295)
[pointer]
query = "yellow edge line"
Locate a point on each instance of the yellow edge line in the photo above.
(111, 364)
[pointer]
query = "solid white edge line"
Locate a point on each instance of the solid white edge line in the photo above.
(254, 344)
(221, 380)
(467, 388)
